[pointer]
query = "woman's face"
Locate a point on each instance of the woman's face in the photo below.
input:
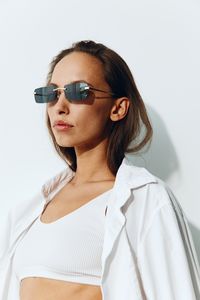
(89, 118)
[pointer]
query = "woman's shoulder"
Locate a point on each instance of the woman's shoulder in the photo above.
(145, 184)
(152, 206)
(52, 183)
(27, 207)
(149, 193)
(158, 194)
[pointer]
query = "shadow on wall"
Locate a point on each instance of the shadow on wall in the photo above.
(161, 160)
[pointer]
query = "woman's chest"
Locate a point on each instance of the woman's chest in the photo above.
(69, 200)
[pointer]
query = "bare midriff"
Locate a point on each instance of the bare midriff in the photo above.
(51, 289)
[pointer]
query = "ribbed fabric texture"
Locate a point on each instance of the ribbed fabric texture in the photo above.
(69, 248)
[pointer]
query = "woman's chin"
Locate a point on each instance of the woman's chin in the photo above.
(64, 145)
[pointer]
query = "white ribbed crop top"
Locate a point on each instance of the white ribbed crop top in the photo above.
(68, 249)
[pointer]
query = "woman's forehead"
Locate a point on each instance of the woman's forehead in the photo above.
(78, 66)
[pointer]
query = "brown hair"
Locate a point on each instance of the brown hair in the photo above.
(123, 132)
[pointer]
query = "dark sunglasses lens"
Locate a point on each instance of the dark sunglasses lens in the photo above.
(45, 94)
(77, 91)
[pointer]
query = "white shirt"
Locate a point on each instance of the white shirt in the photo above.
(148, 251)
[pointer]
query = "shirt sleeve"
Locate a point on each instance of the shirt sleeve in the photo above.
(162, 259)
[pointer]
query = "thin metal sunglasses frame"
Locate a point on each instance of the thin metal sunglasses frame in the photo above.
(87, 87)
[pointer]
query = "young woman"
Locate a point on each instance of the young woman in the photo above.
(102, 229)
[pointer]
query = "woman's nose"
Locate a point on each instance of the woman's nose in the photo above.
(62, 103)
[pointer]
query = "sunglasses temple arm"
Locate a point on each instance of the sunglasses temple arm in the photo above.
(102, 91)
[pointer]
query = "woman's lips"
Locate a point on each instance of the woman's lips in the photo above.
(62, 127)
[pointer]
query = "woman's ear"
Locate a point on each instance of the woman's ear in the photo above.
(119, 109)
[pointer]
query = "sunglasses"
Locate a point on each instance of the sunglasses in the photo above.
(74, 92)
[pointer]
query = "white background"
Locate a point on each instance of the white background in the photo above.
(160, 41)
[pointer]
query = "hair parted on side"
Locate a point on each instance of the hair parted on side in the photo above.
(123, 132)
